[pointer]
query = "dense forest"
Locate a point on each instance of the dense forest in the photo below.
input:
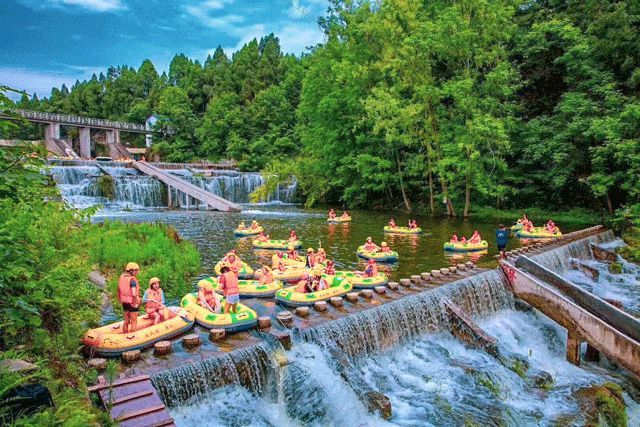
(432, 105)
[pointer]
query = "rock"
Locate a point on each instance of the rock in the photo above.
(367, 293)
(543, 380)
(615, 268)
(405, 282)
(264, 322)
(320, 306)
(191, 340)
(17, 365)
(130, 356)
(416, 279)
(336, 301)
(436, 273)
(216, 335)
(284, 337)
(602, 254)
(591, 272)
(469, 264)
(302, 311)
(378, 403)
(452, 269)
(380, 289)
(285, 317)
(444, 271)
(602, 405)
(425, 276)
(161, 348)
(352, 297)
(97, 279)
(461, 267)
(392, 285)
(98, 363)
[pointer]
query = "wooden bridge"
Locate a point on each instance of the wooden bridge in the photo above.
(206, 198)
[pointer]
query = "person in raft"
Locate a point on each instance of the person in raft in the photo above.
(384, 247)
(345, 215)
(154, 300)
(242, 226)
(330, 269)
(255, 224)
(413, 224)
(321, 256)
(310, 259)
(129, 296)
(454, 238)
(369, 246)
(292, 253)
(207, 297)
(371, 269)
(319, 284)
(293, 237)
(502, 238)
(392, 223)
(332, 214)
(233, 262)
(229, 282)
(263, 237)
(551, 227)
(267, 275)
(303, 284)
(475, 238)
(528, 226)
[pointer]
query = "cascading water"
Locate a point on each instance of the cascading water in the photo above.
(559, 259)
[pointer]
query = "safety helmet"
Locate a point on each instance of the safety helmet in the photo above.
(206, 285)
(132, 266)
(309, 250)
(383, 244)
(290, 247)
(153, 280)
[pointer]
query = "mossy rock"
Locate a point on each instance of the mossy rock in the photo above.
(602, 405)
(615, 268)
(107, 186)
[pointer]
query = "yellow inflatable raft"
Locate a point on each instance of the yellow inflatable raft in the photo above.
(538, 233)
(338, 219)
(402, 230)
(109, 340)
(246, 272)
(290, 274)
(360, 281)
(244, 319)
(378, 256)
(516, 227)
(466, 247)
(298, 263)
(244, 232)
(276, 244)
(248, 288)
(337, 286)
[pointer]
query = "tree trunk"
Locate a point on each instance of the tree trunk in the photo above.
(609, 204)
(432, 202)
(451, 212)
(407, 204)
(467, 196)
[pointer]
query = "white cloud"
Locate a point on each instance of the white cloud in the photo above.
(297, 10)
(202, 12)
(296, 38)
(41, 82)
(91, 5)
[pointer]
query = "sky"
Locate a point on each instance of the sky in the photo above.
(45, 43)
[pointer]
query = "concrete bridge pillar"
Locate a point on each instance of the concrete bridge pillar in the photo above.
(85, 143)
(52, 131)
(113, 136)
(573, 348)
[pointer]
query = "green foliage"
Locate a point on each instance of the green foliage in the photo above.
(106, 185)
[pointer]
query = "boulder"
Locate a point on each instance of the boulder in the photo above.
(98, 363)
(320, 306)
(378, 403)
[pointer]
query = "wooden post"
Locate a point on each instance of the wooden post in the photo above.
(573, 348)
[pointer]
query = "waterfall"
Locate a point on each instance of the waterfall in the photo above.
(559, 259)
(396, 322)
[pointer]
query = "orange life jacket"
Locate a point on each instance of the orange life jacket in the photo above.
(266, 279)
(154, 295)
(126, 294)
(230, 284)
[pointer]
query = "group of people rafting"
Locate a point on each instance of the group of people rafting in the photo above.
(413, 225)
(474, 239)
(527, 225)
(332, 215)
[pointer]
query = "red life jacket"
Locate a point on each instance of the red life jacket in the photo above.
(230, 285)
(126, 293)
(154, 295)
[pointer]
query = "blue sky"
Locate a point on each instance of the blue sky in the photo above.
(45, 43)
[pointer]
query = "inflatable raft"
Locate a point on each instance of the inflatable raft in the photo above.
(248, 288)
(290, 274)
(516, 227)
(338, 219)
(244, 232)
(402, 230)
(466, 247)
(338, 286)
(276, 244)
(378, 256)
(245, 272)
(244, 319)
(537, 233)
(109, 340)
(362, 282)
(298, 263)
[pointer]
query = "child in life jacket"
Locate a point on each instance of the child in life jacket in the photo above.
(154, 299)
(371, 269)
(454, 239)
(293, 237)
(384, 247)
(392, 223)
(475, 238)
(332, 214)
(267, 276)
(330, 269)
(207, 297)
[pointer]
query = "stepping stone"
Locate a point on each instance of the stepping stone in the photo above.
(130, 356)
(452, 269)
(284, 337)
(352, 296)
(436, 273)
(367, 293)
(425, 276)
(191, 340)
(216, 335)
(380, 289)
(97, 363)
(444, 271)
(416, 279)
(320, 305)
(336, 301)
(469, 264)
(405, 282)
(392, 285)
(285, 317)
(302, 311)
(264, 322)
(461, 267)
(161, 348)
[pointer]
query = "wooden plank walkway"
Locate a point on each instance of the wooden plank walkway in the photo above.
(133, 402)
(205, 197)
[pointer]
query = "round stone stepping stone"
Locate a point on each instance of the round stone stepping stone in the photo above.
(302, 311)
(352, 296)
(191, 340)
(461, 267)
(425, 276)
(284, 337)
(98, 363)
(392, 285)
(264, 322)
(130, 356)
(285, 317)
(416, 279)
(161, 348)
(469, 264)
(216, 335)
(367, 293)
(452, 269)
(336, 301)
(444, 271)
(380, 289)
(320, 305)
(436, 273)
(405, 282)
